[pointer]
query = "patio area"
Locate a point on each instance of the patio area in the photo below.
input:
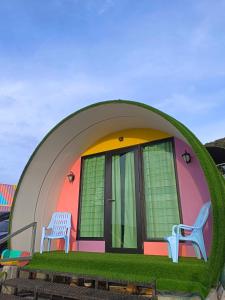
(190, 275)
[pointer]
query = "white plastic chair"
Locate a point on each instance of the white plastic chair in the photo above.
(195, 236)
(59, 228)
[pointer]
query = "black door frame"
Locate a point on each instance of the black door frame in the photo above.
(108, 201)
(140, 197)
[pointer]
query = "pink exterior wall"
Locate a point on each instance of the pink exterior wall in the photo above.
(69, 200)
(193, 192)
(193, 189)
(161, 248)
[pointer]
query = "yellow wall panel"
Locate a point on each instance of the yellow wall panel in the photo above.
(130, 137)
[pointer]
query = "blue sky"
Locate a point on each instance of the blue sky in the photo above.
(57, 56)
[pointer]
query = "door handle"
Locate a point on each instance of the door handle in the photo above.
(111, 200)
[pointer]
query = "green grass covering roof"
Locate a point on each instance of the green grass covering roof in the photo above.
(216, 186)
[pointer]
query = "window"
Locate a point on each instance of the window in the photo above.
(161, 201)
(92, 198)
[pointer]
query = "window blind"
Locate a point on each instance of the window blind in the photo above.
(161, 200)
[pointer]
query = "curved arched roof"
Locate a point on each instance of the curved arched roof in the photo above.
(43, 175)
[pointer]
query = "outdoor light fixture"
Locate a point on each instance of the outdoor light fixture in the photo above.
(71, 176)
(186, 157)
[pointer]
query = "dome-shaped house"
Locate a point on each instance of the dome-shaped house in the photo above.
(130, 183)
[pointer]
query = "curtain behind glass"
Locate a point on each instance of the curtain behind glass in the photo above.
(161, 201)
(92, 197)
(124, 231)
(116, 205)
(130, 228)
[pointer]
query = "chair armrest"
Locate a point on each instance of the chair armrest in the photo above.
(186, 227)
(177, 228)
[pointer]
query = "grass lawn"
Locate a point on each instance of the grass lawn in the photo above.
(189, 275)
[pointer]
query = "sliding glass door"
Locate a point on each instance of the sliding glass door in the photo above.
(121, 203)
(129, 196)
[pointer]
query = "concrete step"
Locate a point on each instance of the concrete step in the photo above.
(10, 297)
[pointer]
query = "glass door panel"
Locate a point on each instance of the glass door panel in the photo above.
(123, 208)
(92, 198)
(161, 199)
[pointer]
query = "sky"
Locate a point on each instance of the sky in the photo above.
(57, 56)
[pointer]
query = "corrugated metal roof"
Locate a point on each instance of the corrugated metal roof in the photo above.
(7, 192)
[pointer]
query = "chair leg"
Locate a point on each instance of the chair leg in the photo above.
(197, 251)
(174, 247)
(201, 245)
(67, 244)
(42, 245)
(169, 250)
(49, 244)
(175, 250)
(66, 251)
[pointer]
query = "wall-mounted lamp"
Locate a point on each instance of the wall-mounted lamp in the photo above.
(186, 157)
(71, 176)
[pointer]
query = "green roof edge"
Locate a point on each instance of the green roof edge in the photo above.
(214, 179)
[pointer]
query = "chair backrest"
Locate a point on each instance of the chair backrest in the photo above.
(203, 215)
(60, 223)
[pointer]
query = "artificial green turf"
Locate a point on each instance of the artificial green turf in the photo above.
(189, 275)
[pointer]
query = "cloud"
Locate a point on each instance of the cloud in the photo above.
(98, 7)
(210, 131)
(202, 114)
(75, 52)
(106, 6)
(191, 105)
(34, 108)
(11, 88)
